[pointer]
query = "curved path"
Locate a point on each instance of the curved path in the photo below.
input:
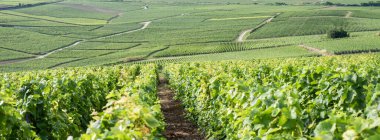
(60, 49)
(243, 35)
(145, 25)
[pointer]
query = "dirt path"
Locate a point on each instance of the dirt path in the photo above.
(60, 49)
(348, 15)
(243, 35)
(177, 126)
(145, 25)
(319, 51)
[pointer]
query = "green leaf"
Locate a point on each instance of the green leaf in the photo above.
(350, 135)
(151, 121)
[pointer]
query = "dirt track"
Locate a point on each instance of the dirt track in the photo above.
(244, 33)
(145, 25)
(178, 128)
(348, 15)
(319, 51)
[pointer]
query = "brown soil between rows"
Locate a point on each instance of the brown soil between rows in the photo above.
(178, 128)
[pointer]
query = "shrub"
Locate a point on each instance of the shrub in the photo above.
(280, 3)
(338, 33)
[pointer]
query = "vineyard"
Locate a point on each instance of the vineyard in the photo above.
(110, 103)
(322, 98)
(36, 35)
(189, 69)
(303, 98)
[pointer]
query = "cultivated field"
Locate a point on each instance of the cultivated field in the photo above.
(189, 69)
(105, 33)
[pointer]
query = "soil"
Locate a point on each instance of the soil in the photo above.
(319, 51)
(144, 26)
(178, 128)
(348, 15)
(244, 33)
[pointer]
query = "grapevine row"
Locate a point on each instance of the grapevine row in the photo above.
(61, 103)
(322, 98)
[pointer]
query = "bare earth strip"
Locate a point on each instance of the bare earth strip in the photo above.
(315, 50)
(177, 126)
(243, 34)
(348, 15)
(145, 25)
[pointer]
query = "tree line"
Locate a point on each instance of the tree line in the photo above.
(370, 3)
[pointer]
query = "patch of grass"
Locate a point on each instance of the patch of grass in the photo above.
(38, 23)
(65, 11)
(76, 21)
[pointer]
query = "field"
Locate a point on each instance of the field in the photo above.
(275, 98)
(189, 69)
(107, 33)
(323, 98)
